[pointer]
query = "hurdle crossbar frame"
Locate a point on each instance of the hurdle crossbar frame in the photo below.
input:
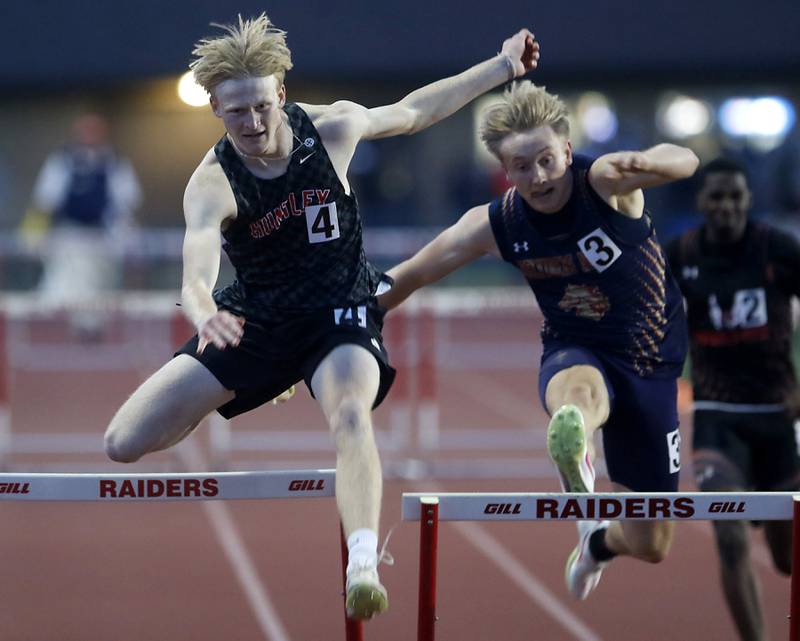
(431, 507)
(241, 485)
(251, 485)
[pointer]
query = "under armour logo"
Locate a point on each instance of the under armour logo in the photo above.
(518, 247)
(691, 272)
(302, 160)
(308, 142)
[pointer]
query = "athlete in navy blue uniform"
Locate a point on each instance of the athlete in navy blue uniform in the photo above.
(302, 306)
(614, 333)
(738, 279)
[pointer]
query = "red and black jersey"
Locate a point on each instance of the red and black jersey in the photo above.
(296, 242)
(739, 312)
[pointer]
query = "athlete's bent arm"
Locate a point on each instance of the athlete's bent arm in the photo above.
(624, 172)
(468, 239)
(206, 204)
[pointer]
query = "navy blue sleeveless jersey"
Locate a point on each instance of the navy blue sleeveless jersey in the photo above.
(604, 284)
(739, 312)
(296, 242)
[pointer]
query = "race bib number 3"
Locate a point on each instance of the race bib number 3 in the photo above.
(322, 223)
(599, 249)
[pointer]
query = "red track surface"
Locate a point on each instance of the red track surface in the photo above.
(174, 572)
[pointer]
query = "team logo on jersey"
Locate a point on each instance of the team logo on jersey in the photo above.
(308, 142)
(587, 301)
(599, 249)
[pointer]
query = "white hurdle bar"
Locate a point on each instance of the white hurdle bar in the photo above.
(431, 507)
(522, 506)
(179, 487)
(168, 487)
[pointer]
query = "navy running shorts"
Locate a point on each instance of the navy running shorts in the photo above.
(641, 440)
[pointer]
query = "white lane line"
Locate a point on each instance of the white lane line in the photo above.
(231, 542)
(492, 549)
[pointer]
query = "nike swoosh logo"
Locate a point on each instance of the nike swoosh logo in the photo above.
(302, 160)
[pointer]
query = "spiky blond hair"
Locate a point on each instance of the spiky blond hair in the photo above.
(523, 106)
(252, 49)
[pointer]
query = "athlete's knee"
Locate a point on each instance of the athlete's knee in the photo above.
(651, 551)
(350, 419)
(581, 394)
(652, 547)
(119, 448)
(731, 542)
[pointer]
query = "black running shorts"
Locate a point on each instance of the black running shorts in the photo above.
(273, 356)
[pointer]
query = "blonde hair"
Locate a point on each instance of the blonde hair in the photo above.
(523, 106)
(253, 49)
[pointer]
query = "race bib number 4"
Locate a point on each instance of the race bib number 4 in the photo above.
(322, 223)
(599, 249)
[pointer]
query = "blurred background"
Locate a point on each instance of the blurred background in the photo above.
(92, 118)
(718, 76)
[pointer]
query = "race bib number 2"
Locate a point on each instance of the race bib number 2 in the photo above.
(322, 223)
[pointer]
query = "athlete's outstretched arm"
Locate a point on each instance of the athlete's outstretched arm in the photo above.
(207, 201)
(470, 238)
(624, 172)
(431, 103)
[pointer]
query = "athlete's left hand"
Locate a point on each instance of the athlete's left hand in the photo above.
(523, 51)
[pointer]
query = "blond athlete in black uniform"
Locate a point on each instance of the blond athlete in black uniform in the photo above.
(738, 278)
(302, 306)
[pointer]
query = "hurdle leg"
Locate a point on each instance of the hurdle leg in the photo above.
(353, 629)
(794, 604)
(428, 547)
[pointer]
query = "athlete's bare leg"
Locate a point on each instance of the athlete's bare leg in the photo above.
(164, 409)
(739, 583)
(644, 540)
(584, 387)
(346, 384)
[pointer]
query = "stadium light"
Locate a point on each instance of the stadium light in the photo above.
(190, 92)
(682, 116)
(596, 117)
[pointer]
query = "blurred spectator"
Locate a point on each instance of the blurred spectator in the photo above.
(81, 208)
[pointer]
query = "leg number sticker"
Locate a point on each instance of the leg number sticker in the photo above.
(674, 445)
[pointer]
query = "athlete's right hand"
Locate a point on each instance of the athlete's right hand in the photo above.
(220, 330)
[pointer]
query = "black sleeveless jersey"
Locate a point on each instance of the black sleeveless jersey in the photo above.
(604, 284)
(296, 242)
(739, 307)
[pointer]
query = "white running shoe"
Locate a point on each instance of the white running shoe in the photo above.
(566, 444)
(583, 572)
(366, 597)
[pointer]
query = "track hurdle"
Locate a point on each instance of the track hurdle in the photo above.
(136, 488)
(430, 508)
